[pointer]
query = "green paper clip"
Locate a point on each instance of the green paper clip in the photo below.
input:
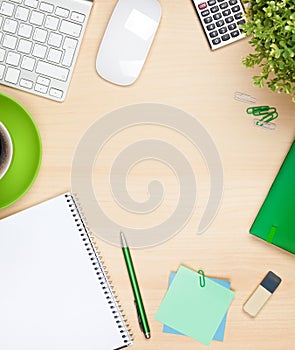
(269, 117)
(202, 278)
(260, 110)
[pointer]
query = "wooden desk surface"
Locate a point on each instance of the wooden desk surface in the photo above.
(180, 71)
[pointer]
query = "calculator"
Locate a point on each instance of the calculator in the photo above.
(220, 20)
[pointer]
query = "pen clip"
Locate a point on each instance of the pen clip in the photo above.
(138, 316)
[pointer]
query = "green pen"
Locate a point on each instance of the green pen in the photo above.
(142, 319)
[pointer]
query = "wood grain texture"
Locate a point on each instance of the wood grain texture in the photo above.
(180, 71)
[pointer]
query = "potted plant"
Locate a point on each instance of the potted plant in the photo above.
(272, 27)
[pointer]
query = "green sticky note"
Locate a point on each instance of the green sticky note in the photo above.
(192, 310)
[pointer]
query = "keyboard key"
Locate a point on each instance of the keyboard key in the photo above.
(62, 12)
(54, 55)
(24, 46)
(37, 18)
(28, 63)
(217, 16)
(51, 70)
(40, 35)
(78, 17)
(39, 51)
(26, 83)
(225, 37)
(51, 22)
(46, 7)
(235, 33)
(216, 41)
(69, 46)
(22, 13)
(70, 28)
(13, 58)
(31, 3)
(9, 41)
(2, 54)
(2, 69)
(10, 26)
(211, 2)
(41, 88)
(43, 81)
(238, 15)
(55, 39)
(233, 2)
(56, 93)
(12, 75)
(6, 8)
(25, 30)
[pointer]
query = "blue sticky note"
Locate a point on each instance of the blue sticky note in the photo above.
(219, 335)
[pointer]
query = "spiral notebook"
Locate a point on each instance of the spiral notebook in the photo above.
(54, 293)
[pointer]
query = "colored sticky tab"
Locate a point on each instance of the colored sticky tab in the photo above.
(192, 310)
(219, 335)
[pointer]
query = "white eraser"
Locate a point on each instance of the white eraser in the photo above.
(262, 293)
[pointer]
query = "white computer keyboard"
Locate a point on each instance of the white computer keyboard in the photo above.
(39, 44)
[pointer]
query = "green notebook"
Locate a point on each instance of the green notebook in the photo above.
(275, 222)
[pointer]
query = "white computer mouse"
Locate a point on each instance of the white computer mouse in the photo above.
(127, 40)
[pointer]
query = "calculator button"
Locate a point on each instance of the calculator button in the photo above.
(225, 37)
(210, 26)
(220, 0)
(216, 41)
(217, 16)
(208, 20)
(235, 33)
(222, 30)
(213, 34)
(223, 6)
(238, 15)
(211, 2)
(205, 13)
(220, 23)
(226, 12)
(229, 19)
(233, 2)
(235, 8)
(214, 9)
(202, 6)
(242, 21)
(232, 26)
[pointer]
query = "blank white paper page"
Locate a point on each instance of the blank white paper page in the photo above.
(50, 294)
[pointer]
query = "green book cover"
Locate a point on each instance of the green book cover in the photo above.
(275, 222)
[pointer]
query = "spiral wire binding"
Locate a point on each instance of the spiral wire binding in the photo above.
(100, 269)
